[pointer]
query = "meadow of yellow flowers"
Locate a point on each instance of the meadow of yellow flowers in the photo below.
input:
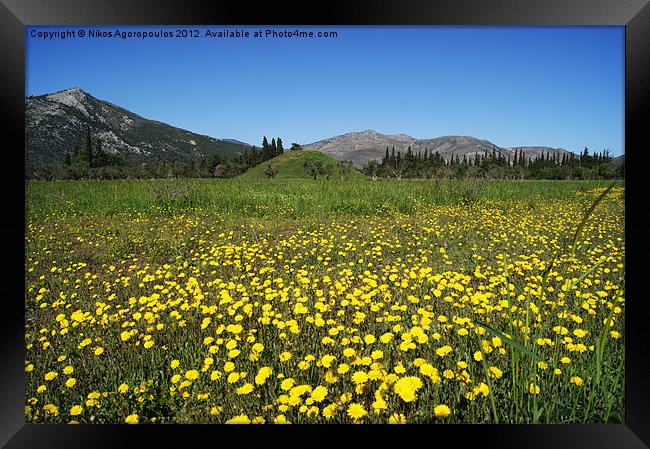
(481, 311)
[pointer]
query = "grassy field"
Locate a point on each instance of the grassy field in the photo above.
(286, 300)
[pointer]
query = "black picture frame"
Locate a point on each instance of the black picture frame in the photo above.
(633, 14)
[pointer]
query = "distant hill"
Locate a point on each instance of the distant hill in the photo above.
(290, 165)
(362, 147)
(57, 122)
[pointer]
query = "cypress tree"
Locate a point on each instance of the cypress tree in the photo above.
(98, 158)
(89, 149)
(280, 149)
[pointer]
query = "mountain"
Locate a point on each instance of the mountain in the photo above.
(362, 147)
(56, 123)
(238, 142)
(290, 165)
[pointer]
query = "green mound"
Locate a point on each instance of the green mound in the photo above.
(291, 165)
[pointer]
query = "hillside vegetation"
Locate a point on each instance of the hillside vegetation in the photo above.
(292, 165)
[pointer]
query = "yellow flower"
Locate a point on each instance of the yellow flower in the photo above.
(132, 419)
(397, 418)
(443, 351)
(494, 372)
(356, 411)
(533, 389)
(239, 419)
(245, 389)
(379, 404)
(123, 388)
(385, 338)
(327, 360)
(330, 377)
(576, 380)
(319, 393)
(51, 409)
(68, 370)
(441, 411)
(70, 382)
(99, 351)
(76, 410)
(343, 368)
(192, 374)
(478, 356)
(360, 377)
(280, 419)
(406, 388)
(51, 375)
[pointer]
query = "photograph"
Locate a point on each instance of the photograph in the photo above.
(325, 224)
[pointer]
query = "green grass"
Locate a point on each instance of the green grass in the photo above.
(288, 198)
(507, 259)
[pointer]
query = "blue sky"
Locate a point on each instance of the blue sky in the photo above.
(514, 86)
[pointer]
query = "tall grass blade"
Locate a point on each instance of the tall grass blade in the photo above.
(515, 344)
(588, 214)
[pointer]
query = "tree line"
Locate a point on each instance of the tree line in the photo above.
(494, 165)
(248, 159)
(89, 161)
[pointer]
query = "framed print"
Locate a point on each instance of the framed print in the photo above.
(342, 219)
